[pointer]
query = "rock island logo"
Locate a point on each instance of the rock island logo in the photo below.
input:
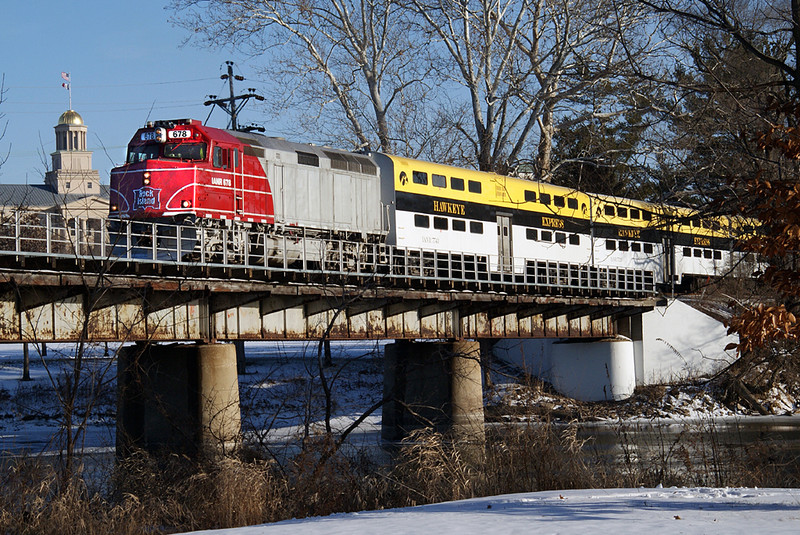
(146, 197)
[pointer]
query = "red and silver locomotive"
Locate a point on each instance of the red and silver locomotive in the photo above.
(181, 171)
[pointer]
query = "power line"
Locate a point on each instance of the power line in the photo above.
(48, 86)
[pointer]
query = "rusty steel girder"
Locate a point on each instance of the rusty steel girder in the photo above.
(53, 306)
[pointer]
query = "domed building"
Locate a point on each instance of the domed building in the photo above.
(71, 188)
(72, 164)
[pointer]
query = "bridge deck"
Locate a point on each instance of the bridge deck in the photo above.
(62, 281)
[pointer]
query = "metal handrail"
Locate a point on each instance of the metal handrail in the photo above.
(38, 234)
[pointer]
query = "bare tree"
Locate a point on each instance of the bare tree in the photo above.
(522, 62)
(348, 63)
(728, 67)
(767, 31)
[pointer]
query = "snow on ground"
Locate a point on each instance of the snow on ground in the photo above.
(578, 512)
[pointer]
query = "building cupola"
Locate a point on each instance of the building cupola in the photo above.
(72, 164)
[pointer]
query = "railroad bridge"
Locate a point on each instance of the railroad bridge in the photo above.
(70, 281)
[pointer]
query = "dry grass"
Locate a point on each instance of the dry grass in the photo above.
(168, 494)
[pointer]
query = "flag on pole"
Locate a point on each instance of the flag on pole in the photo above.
(65, 76)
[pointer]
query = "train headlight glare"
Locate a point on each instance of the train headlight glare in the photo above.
(186, 204)
(146, 179)
(114, 207)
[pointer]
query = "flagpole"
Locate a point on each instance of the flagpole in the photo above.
(67, 77)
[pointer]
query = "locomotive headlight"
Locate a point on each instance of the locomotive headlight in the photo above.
(186, 204)
(114, 207)
(146, 179)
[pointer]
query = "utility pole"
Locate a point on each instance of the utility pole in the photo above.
(229, 105)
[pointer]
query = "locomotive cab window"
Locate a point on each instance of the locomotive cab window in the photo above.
(476, 227)
(185, 151)
(648, 248)
(622, 211)
(687, 251)
(558, 200)
(421, 221)
(457, 183)
(474, 186)
(544, 198)
(574, 239)
(611, 245)
(707, 253)
(634, 213)
(460, 225)
(547, 235)
(141, 153)
(572, 203)
(623, 245)
(531, 234)
(440, 223)
(646, 215)
(420, 178)
(439, 181)
(220, 159)
(561, 237)
(636, 247)
(530, 196)
(717, 255)
(608, 210)
(698, 253)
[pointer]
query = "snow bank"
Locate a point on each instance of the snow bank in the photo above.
(617, 511)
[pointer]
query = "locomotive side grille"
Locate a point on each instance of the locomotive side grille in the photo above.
(258, 152)
(307, 158)
(338, 161)
(352, 163)
(367, 167)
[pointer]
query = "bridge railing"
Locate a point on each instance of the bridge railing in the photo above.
(49, 235)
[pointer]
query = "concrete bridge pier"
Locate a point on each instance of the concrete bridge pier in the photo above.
(434, 385)
(177, 398)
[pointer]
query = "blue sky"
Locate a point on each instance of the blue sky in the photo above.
(124, 58)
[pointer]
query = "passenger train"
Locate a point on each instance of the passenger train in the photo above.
(180, 171)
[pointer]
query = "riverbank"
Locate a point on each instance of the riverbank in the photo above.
(700, 399)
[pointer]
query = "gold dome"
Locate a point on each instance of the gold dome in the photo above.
(70, 117)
